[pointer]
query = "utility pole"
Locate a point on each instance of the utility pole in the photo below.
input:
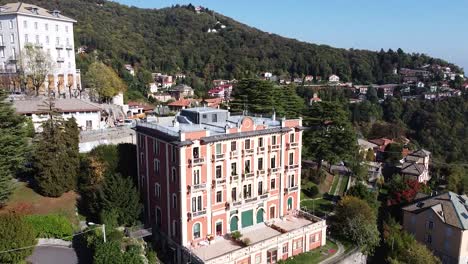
(104, 232)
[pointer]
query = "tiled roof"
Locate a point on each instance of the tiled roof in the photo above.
(450, 207)
(181, 102)
(412, 168)
(27, 9)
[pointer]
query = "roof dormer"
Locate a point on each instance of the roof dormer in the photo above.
(56, 13)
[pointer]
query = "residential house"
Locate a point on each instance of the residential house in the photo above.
(211, 102)
(179, 76)
(365, 146)
(153, 87)
(221, 91)
(314, 99)
(164, 81)
(416, 166)
(381, 143)
(130, 69)
(208, 174)
(374, 172)
(180, 104)
(308, 78)
(138, 109)
(441, 223)
(420, 84)
(162, 97)
(333, 78)
(87, 115)
(266, 75)
(318, 78)
(297, 80)
(181, 91)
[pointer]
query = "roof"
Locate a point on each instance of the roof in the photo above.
(451, 208)
(421, 153)
(381, 141)
(411, 168)
(181, 102)
(145, 107)
(62, 105)
(27, 9)
(366, 144)
(181, 88)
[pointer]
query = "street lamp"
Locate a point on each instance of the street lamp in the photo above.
(103, 226)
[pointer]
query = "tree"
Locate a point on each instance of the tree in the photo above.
(13, 146)
(403, 248)
(370, 155)
(331, 136)
(371, 95)
(356, 221)
(36, 64)
(15, 233)
(55, 155)
(104, 81)
(393, 153)
(404, 191)
(362, 192)
(381, 93)
(127, 207)
(455, 177)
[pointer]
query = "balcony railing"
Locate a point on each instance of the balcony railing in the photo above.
(272, 170)
(248, 175)
(197, 161)
(69, 47)
(248, 151)
(293, 145)
(260, 173)
(219, 181)
(218, 156)
(274, 147)
(234, 154)
(264, 196)
(199, 213)
(250, 200)
(234, 177)
(199, 186)
(292, 167)
(237, 203)
(291, 189)
(261, 149)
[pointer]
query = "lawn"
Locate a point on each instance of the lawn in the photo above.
(314, 256)
(343, 185)
(25, 200)
(319, 207)
(304, 191)
(336, 179)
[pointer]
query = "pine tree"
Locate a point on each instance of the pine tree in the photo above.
(12, 147)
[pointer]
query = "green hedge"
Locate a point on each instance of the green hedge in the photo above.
(51, 226)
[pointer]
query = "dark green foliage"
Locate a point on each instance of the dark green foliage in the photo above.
(127, 164)
(108, 253)
(362, 192)
(13, 147)
(331, 136)
(108, 155)
(401, 247)
(121, 196)
(393, 153)
(50, 226)
(55, 155)
(457, 179)
(371, 95)
(15, 232)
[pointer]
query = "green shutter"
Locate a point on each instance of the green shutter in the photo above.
(260, 216)
(247, 218)
(289, 202)
(196, 228)
(234, 224)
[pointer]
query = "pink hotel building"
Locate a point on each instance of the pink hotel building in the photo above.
(209, 174)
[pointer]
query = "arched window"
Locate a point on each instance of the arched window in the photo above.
(196, 230)
(290, 203)
(174, 175)
(234, 224)
(174, 201)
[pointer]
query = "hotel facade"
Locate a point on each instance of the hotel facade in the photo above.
(208, 174)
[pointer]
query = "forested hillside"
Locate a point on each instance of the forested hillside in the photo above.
(176, 39)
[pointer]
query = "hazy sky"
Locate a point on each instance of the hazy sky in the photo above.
(437, 28)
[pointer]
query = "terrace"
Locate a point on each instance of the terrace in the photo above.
(261, 236)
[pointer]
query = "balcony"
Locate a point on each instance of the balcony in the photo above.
(274, 147)
(248, 151)
(261, 149)
(200, 186)
(251, 200)
(199, 213)
(59, 59)
(291, 189)
(293, 145)
(197, 161)
(13, 59)
(234, 177)
(263, 196)
(273, 170)
(292, 167)
(248, 175)
(219, 181)
(217, 157)
(238, 203)
(58, 46)
(260, 173)
(234, 154)
(69, 47)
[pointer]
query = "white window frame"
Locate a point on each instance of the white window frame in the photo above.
(156, 166)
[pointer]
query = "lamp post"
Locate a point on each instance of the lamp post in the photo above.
(103, 226)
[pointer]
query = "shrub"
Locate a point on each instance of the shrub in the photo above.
(236, 235)
(15, 232)
(246, 241)
(152, 257)
(51, 226)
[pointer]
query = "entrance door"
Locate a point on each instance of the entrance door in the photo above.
(272, 212)
(247, 218)
(219, 228)
(260, 216)
(290, 203)
(234, 224)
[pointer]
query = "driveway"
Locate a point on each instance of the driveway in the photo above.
(53, 255)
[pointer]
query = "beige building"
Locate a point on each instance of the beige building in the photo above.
(440, 222)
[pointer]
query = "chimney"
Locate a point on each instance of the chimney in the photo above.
(273, 117)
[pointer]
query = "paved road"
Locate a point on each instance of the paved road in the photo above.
(53, 255)
(340, 252)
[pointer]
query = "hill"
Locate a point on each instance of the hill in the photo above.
(177, 39)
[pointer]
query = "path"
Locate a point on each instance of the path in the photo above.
(338, 253)
(338, 186)
(53, 255)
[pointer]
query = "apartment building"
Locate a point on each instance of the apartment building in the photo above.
(441, 223)
(208, 174)
(24, 24)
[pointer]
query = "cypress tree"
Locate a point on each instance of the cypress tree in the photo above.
(13, 146)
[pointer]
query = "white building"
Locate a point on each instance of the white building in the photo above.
(87, 115)
(334, 78)
(24, 24)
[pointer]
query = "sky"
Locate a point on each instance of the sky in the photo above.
(434, 27)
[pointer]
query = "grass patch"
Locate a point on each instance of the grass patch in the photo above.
(336, 179)
(305, 191)
(343, 185)
(319, 207)
(26, 201)
(314, 256)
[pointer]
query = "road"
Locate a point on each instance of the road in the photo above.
(53, 255)
(338, 253)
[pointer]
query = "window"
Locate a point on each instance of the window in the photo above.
(219, 148)
(291, 138)
(66, 28)
(219, 173)
(258, 258)
(196, 177)
(204, 116)
(214, 118)
(247, 191)
(291, 158)
(174, 154)
(11, 24)
(174, 176)
(25, 24)
(26, 38)
(260, 142)
(57, 40)
(429, 239)
(12, 38)
(196, 203)
(157, 190)
(156, 166)
(47, 39)
(233, 169)
(219, 228)
(260, 188)
(273, 162)
(35, 25)
(1, 39)
(1, 25)
(174, 201)
(260, 164)
(196, 231)
(247, 144)
(234, 194)
(313, 238)
(196, 153)
(47, 27)
(233, 145)
(2, 53)
(273, 140)
(273, 184)
(57, 28)
(272, 212)
(37, 39)
(156, 146)
(285, 247)
(158, 217)
(13, 51)
(174, 228)
(291, 181)
(272, 256)
(219, 196)
(247, 166)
